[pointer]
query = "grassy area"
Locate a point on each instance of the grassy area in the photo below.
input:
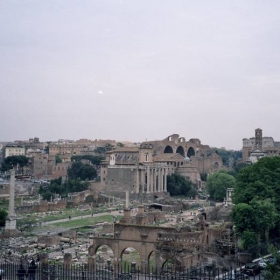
(83, 222)
(73, 212)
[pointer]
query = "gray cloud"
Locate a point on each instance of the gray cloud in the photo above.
(198, 68)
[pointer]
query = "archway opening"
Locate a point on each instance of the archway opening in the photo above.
(180, 150)
(216, 166)
(172, 264)
(151, 262)
(131, 259)
(190, 152)
(104, 257)
(168, 150)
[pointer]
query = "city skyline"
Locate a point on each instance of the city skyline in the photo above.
(136, 70)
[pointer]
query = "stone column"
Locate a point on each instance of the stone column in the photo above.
(142, 183)
(137, 180)
(165, 179)
(155, 180)
(126, 199)
(148, 179)
(152, 180)
(12, 194)
(159, 180)
(67, 260)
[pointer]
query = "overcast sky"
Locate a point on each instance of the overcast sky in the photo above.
(139, 69)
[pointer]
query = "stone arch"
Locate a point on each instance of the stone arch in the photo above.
(171, 264)
(103, 256)
(180, 150)
(190, 152)
(134, 256)
(168, 150)
(216, 166)
(151, 261)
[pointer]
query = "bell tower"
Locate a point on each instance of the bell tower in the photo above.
(258, 138)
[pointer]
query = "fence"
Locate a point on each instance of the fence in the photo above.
(12, 271)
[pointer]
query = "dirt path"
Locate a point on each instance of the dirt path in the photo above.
(113, 213)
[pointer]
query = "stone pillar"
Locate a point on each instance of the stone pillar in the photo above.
(12, 194)
(159, 180)
(67, 260)
(126, 216)
(126, 199)
(152, 181)
(44, 262)
(165, 179)
(155, 180)
(148, 179)
(142, 177)
(11, 222)
(137, 180)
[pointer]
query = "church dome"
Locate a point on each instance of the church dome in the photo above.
(187, 159)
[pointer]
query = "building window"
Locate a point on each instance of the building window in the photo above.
(147, 157)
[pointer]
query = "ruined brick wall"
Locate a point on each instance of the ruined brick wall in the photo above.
(120, 179)
(43, 207)
(49, 240)
(78, 198)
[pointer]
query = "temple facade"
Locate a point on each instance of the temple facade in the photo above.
(144, 169)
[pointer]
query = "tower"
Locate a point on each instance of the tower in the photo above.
(258, 138)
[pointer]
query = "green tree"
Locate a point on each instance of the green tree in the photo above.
(249, 239)
(260, 180)
(229, 157)
(13, 161)
(259, 216)
(82, 171)
(218, 183)
(179, 185)
(265, 217)
(119, 144)
(243, 217)
(58, 159)
(272, 270)
(103, 150)
(93, 159)
(3, 216)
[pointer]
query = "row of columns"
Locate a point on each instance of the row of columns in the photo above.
(152, 179)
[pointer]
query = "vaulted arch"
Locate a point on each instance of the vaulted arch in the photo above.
(180, 150)
(168, 149)
(190, 152)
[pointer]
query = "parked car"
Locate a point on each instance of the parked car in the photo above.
(270, 260)
(252, 269)
(262, 263)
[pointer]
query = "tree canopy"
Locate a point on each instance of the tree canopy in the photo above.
(179, 185)
(257, 197)
(58, 187)
(93, 159)
(103, 150)
(82, 171)
(13, 161)
(260, 180)
(217, 184)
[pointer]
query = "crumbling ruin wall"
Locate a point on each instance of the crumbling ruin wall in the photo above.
(79, 197)
(49, 240)
(42, 207)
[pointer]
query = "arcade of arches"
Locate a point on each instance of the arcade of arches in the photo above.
(151, 246)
